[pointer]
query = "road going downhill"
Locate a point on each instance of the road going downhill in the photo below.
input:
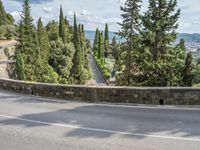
(97, 76)
(34, 123)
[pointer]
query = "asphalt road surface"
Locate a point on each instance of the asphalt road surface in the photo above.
(6, 62)
(97, 76)
(34, 123)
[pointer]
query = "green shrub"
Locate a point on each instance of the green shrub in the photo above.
(106, 73)
(7, 32)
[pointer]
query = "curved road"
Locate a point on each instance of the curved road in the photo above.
(35, 123)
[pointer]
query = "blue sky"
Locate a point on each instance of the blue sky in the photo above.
(95, 13)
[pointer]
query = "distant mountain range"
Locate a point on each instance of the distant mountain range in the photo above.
(189, 38)
(90, 35)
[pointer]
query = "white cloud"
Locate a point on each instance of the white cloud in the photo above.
(47, 9)
(15, 14)
(84, 12)
(95, 13)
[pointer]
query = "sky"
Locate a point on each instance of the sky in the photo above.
(95, 13)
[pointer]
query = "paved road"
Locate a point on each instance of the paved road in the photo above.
(7, 44)
(6, 62)
(34, 123)
(97, 76)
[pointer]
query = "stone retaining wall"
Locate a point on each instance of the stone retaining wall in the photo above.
(169, 96)
(6, 70)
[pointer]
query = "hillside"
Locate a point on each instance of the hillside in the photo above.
(189, 38)
(90, 35)
(195, 38)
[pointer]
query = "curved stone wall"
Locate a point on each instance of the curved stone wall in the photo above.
(169, 96)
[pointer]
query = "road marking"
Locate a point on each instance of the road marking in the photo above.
(99, 130)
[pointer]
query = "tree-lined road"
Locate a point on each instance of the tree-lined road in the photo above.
(34, 123)
(97, 76)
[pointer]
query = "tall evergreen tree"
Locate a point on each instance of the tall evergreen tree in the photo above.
(84, 47)
(20, 68)
(62, 26)
(76, 40)
(52, 30)
(106, 41)
(68, 33)
(187, 72)
(160, 24)
(43, 41)
(96, 43)
(28, 45)
(101, 49)
(130, 28)
(77, 69)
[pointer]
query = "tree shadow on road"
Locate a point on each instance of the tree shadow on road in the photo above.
(113, 118)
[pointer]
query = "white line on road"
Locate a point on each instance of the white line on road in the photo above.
(99, 130)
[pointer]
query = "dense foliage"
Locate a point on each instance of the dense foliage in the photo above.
(7, 28)
(56, 53)
(148, 56)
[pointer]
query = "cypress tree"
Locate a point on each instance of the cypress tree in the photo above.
(106, 41)
(20, 68)
(187, 72)
(84, 47)
(130, 28)
(67, 30)
(76, 39)
(96, 43)
(101, 49)
(114, 48)
(43, 41)
(77, 69)
(62, 26)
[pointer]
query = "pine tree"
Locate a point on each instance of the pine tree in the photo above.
(28, 45)
(130, 28)
(160, 24)
(187, 72)
(106, 41)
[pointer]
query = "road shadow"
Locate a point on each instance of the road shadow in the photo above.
(184, 123)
